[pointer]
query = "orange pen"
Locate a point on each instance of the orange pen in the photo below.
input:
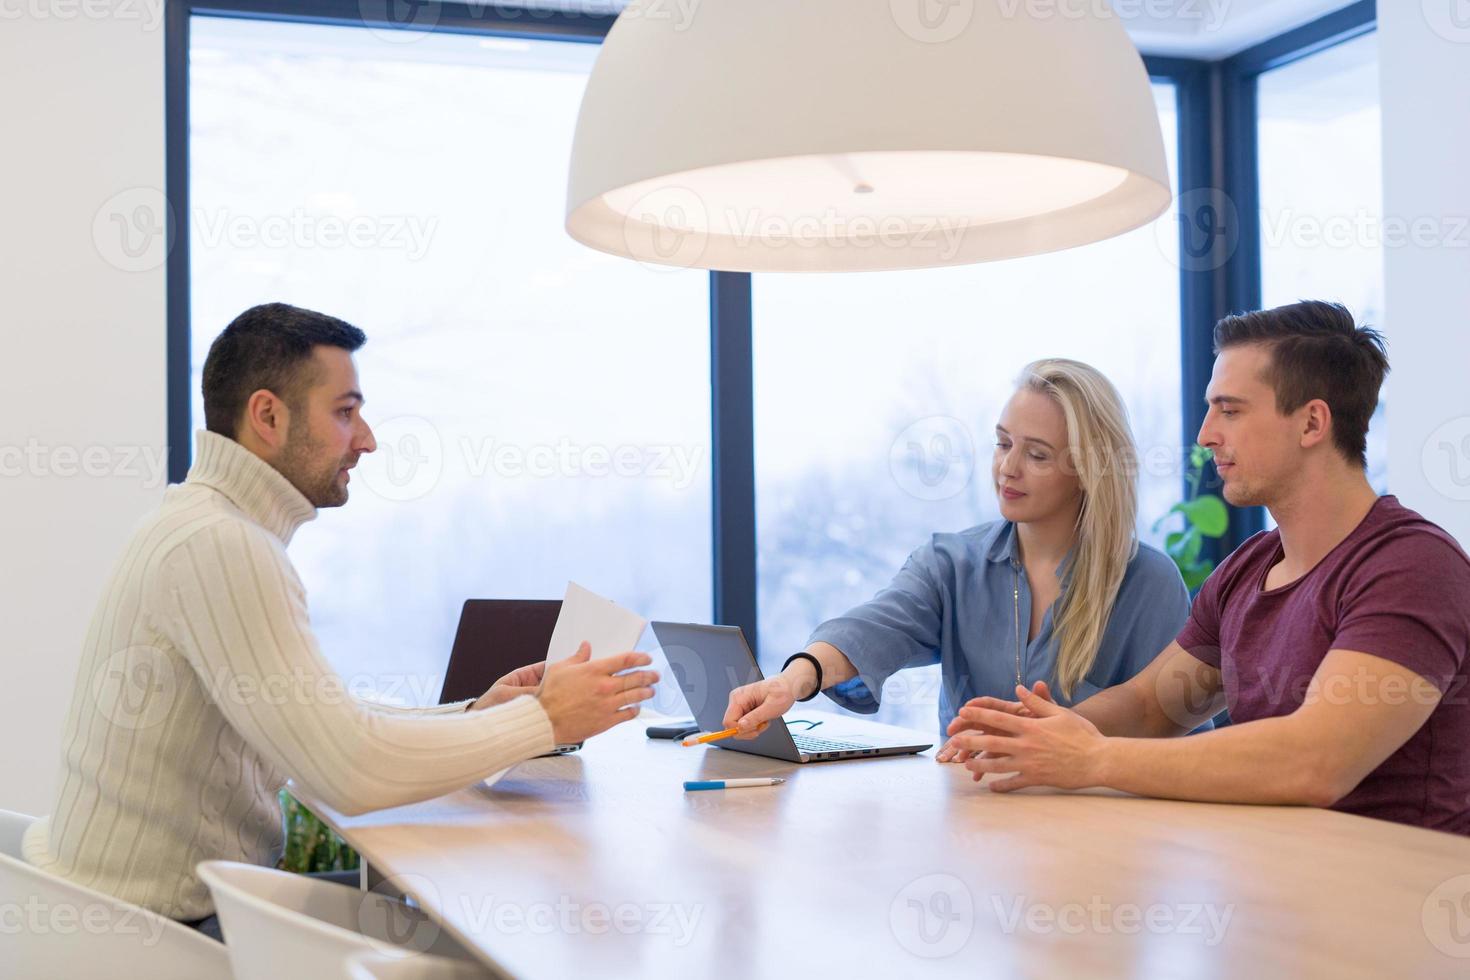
(717, 736)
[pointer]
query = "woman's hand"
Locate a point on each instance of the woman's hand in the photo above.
(755, 706)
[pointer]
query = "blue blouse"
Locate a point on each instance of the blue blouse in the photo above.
(953, 604)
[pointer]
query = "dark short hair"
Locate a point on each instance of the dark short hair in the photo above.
(267, 347)
(1317, 351)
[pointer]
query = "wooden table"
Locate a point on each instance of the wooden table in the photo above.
(600, 865)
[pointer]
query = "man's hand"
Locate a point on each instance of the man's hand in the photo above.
(952, 751)
(585, 697)
(1055, 746)
(522, 680)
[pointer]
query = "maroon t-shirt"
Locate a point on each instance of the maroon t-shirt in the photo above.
(1397, 587)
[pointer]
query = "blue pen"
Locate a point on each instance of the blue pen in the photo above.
(695, 784)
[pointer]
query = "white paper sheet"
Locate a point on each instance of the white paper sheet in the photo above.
(587, 617)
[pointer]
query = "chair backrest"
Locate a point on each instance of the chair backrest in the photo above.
(277, 924)
(65, 930)
(13, 827)
(375, 966)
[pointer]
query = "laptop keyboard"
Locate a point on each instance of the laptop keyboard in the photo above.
(810, 744)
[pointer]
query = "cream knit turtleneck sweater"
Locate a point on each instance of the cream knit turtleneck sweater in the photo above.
(202, 689)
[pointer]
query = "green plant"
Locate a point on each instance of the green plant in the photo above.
(310, 844)
(1205, 516)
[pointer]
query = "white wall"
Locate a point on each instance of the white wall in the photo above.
(1425, 74)
(81, 351)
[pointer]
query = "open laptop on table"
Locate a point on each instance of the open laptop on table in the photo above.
(495, 637)
(711, 661)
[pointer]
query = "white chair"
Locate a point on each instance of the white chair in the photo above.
(53, 928)
(376, 966)
(277, 924)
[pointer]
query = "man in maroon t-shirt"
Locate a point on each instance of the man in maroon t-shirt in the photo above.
(1340, 641)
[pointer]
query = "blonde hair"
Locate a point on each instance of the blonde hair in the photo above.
(1100, 448)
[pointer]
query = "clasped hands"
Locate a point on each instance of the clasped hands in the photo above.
(1036, 740)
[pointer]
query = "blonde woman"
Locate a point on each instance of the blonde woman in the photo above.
(1057, 595)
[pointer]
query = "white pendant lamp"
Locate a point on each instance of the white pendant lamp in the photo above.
(859, 135)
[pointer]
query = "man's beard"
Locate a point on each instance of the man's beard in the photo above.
(301, 463)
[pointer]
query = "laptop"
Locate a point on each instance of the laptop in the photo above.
(496, 636)
(711, 661)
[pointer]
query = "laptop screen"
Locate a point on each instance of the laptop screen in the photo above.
(495, 637)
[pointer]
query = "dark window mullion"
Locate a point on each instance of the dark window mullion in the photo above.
(732, 421)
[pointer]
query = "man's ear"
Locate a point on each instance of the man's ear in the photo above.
(1316, 422)
(267, 419)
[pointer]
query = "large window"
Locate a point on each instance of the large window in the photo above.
(1323, 230)
(877, 397)
(542, 410)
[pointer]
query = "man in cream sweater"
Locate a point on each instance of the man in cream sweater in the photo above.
(202, 688)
